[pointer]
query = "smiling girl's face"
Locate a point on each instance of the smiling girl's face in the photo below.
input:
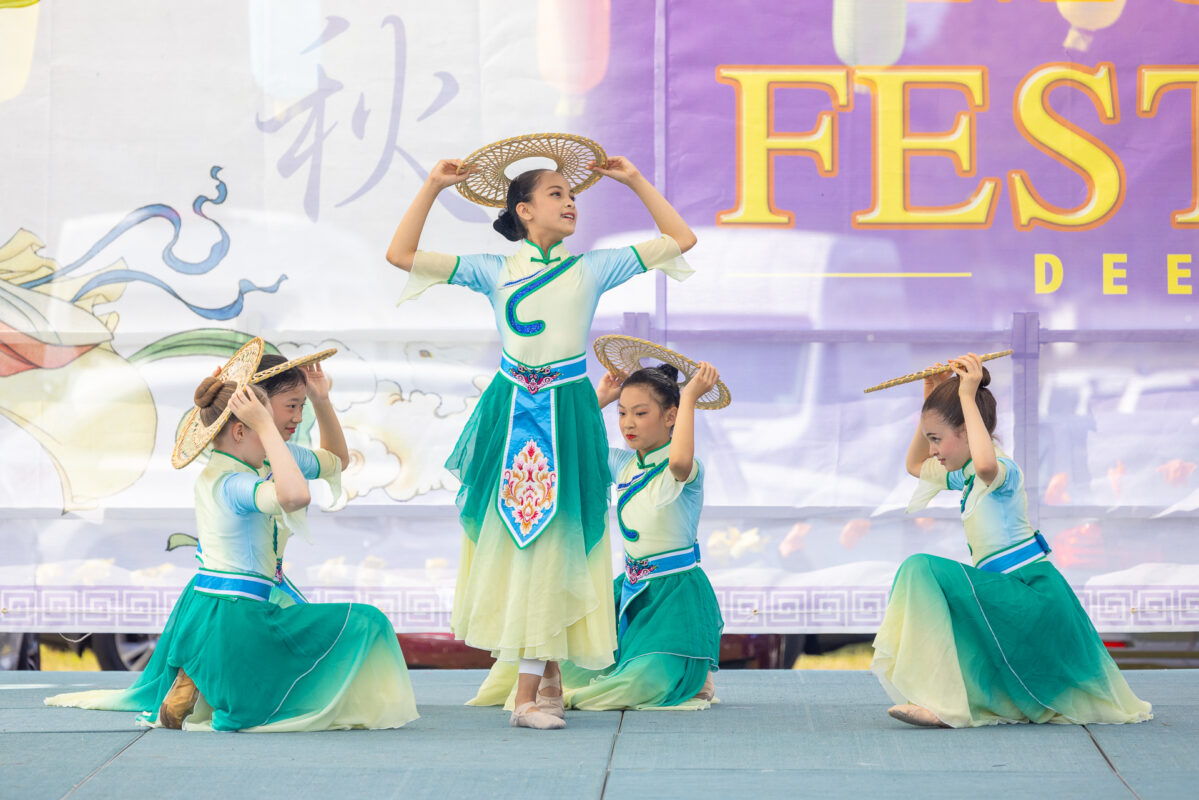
(644, 424)
(550, 211)
(287, 407)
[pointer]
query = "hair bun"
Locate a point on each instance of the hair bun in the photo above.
(506, 225)
(669, 370)
(986, 379)
(207, 391)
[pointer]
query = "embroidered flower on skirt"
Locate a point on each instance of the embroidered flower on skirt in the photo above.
(529, 487)
(637, 568)
(533, 378)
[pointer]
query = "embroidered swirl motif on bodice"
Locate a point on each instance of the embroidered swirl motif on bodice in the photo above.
(537, 326)
(628, 491)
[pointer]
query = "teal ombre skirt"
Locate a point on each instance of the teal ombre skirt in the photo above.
(582, 445)
(263, 666)
(550, 599)
(981, 648)
(670, 645)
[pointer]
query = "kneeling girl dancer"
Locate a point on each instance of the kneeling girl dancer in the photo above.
(229, 659)
(668, 620)
(1004, 640)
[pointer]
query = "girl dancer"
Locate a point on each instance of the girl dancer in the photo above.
(1004, 640)
(288, 384)
(668, 619)
(533, 576)
(229, 660)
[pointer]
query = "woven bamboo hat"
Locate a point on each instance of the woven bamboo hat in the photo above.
(488, 184)
(194, 435)
(622, 356)
(302, 361)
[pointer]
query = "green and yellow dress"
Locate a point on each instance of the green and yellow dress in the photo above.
(668, 620)
(535, 565)
(1005, 640)
(263, 666)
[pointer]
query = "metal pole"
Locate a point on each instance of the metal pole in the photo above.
(1026, 364)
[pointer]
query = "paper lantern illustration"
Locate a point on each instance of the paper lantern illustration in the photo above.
(572, 49)
(1087, 17)
(283, 58)
(18, 34)
(869, 32)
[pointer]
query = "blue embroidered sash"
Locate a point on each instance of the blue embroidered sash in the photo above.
(233, 584)
(1018, 555)
(639, 571)
(528, 497)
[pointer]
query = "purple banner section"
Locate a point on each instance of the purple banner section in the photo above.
(1021, 156)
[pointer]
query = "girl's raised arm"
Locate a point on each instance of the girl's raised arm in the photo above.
(682, 440)
(918, 449)
(608, 389)
(333, 438)
(969, 369)
(402, 249)
(665, 217)
(291, 488)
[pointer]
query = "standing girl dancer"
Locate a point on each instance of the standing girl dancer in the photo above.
(668, 619)
(535, 566)
(1004, 640)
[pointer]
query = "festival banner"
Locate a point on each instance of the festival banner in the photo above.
(876, 186)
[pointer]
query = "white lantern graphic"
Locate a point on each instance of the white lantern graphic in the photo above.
(869, 32)
(18, 34)
(572, 48)
(1087, 17)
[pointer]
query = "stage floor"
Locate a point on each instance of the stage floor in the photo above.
(776, 734)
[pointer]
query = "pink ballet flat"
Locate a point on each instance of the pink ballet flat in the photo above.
(551, 704)
(916, 715)
(528, 716)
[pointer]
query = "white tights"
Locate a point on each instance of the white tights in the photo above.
(532, 666)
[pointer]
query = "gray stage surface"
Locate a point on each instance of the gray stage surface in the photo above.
(776, 734)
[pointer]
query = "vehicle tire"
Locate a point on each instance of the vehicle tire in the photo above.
(123, 651)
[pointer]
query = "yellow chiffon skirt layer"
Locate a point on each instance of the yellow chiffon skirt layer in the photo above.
(550, 601)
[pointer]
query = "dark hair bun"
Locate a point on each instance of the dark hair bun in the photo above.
(669, 370)
(508, 226)
(986, 381)
(207, 391)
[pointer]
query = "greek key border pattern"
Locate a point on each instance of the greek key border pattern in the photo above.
(746, 609)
